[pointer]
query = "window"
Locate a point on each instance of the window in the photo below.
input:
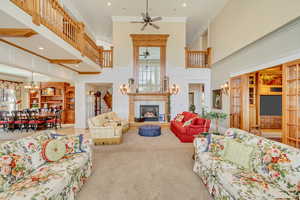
(149, 69)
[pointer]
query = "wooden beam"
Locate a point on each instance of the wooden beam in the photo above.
(89, 73)
(17, 32)
(65, 61)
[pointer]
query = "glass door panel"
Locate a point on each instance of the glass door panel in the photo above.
(292, 104)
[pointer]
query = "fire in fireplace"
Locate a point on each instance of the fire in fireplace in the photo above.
(149, 112)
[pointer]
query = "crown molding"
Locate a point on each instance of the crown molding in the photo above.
(133, 18)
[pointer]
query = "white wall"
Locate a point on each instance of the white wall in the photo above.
(123, 63)
(242, 22)
(276, 48)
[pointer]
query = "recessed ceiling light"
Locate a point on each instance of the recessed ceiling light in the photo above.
(184, 4)
(41, 48)
(109, 3)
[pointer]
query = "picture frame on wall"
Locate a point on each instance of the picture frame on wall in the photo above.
(217, 99)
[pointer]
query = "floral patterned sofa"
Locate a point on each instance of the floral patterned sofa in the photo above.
(25, 175)
(274, 171)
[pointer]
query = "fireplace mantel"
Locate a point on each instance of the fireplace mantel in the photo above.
(150, 94)
(159, 96)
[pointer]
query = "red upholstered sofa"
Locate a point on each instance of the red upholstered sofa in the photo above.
(186, 133)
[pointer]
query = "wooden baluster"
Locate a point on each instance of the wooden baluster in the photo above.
(36, 12)
(209, 55)
(186, 57)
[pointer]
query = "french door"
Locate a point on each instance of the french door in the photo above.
(291, 103)
(235, 102)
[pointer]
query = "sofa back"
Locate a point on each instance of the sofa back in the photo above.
(188, 116)
(99, 120)
(20, 157)
(277, 162)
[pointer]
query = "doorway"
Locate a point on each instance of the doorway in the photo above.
(100, 98)
(196, 98)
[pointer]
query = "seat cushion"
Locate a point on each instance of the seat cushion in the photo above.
(248, 185)
(48, 181)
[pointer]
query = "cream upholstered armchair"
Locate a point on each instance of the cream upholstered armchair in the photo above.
(107, 128)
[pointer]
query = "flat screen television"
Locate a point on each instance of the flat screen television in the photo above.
(271, 105)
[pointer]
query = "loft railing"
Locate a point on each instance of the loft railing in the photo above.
(107, 59)
(52, 15)
(197, 59)
(91, 50)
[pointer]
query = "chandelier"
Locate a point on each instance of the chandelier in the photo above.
(31, 85)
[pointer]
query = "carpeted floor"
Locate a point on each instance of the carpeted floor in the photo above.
(143, 168)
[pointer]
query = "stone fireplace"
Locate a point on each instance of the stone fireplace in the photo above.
(149, 112)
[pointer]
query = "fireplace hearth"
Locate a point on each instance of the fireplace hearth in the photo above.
(149, 112)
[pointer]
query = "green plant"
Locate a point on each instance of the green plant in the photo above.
(192, 108)
(217, 117)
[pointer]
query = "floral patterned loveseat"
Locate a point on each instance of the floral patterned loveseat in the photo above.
(274, 168)
(25, 175)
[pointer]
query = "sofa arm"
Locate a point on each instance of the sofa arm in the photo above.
(102, 132)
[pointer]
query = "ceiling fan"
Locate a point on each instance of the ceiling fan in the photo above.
(145, 54)
(147, 20)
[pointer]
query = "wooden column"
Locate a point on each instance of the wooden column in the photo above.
(209, 57)
(81, 37)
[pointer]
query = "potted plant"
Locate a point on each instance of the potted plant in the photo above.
(192, 108)
(217, 117)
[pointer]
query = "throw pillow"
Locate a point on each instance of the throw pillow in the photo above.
(187, 123)
(238, 153)
(110, 124)
(53, 150)
(73, 143)
(179, 118)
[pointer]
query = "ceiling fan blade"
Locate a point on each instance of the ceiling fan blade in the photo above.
(137, 22)
(143, 28)
(155, 19)
(154, 25)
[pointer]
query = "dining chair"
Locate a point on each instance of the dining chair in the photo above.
(58, 116)
(5, 120)
(19, 120)
(34, 121)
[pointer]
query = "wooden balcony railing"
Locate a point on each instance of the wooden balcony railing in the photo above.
(52, 15)
(197, 59)
(91, 50)
(107, 59)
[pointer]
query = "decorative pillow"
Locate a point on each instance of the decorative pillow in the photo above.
(73, 143)
(179, 118)
(187, 123)
(230, 133)
(53, 150)
(204, 143)
(238, 153)
(110, 124)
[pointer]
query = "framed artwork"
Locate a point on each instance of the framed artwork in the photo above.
(217, 99)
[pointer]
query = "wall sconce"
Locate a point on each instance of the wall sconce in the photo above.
(174, 89)
(124, 89)
(225, 88)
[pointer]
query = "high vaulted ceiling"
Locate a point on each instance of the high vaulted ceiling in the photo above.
(98, 13)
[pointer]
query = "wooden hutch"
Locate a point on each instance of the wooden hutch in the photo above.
(58, 95)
